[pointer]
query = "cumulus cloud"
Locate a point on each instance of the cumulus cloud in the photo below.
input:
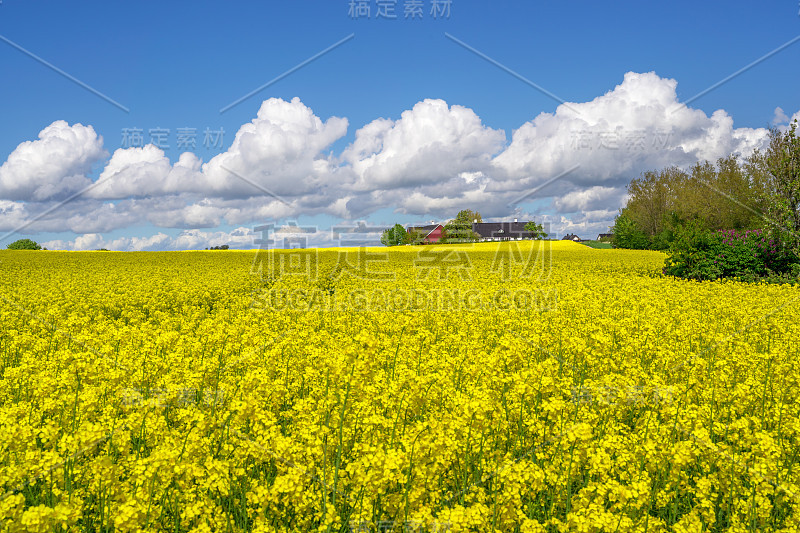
(638, 125)
(54, 165)
(431, 143)
(591, 199)
(434, 160)
(12, 215)
(186, 240)
(242, 238)
(782, 121)
(203, 214)
(281, 151)
(147, 172)
(780, 117)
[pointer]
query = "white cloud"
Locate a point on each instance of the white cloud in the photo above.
(433, 161)
(278, 154)
(790, 121)
(638, 125)
(589, 199)
(780, 117)
(89, 241)
(280, 150)
(202, 214)
(186, 240)
(54, 165)
(147, 172)
(783, 122)
(12, 215)
(196, 239)
(429, 144)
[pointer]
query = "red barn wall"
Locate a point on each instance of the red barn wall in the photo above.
(435, 235)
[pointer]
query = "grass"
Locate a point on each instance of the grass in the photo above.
(599, 245)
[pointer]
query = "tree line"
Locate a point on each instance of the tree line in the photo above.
(457, 230)
(759, 193)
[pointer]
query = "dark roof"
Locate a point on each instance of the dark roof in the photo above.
(429, 228)
(501, 230)
(570, 237)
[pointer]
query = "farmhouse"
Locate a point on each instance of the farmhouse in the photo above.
(605, 236)
(501, 231)
(430, 234)
(571, 237)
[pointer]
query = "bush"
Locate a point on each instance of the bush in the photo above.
(626, 234)
(750, 255)
(395, 236)
(24, 244)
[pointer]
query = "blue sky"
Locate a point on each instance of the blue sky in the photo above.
(175, 65)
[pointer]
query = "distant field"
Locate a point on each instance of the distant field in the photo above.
(597, 244)
(507, 387)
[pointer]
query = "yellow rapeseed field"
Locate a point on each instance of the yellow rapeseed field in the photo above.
(493, 387)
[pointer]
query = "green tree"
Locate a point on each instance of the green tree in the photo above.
(24, 244)
(536, 229)
(395, 236)
(781, 167)
(467, 215)
(722, 196)
(460, 228)
(652, 198)
(415, 236)
(627, 234)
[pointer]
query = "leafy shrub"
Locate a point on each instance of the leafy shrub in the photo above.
(24, 244)
(395, 236)
(664, 238)
(750, 255)
(626, 234)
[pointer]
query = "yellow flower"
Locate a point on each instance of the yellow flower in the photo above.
(567, 390)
